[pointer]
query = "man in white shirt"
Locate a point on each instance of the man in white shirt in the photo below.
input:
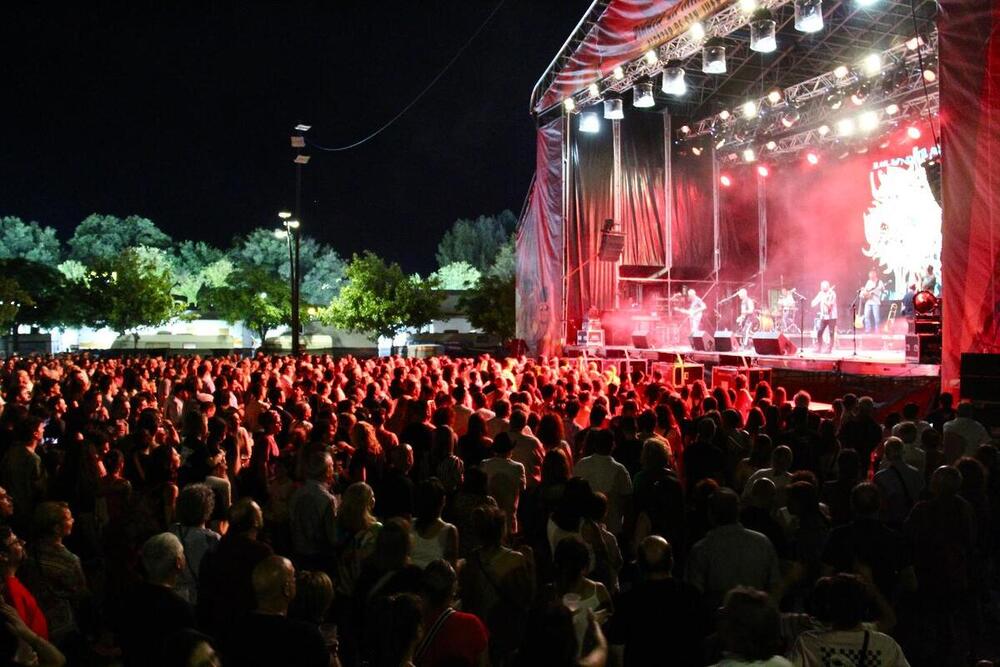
(872, 294)
(964, 425)
(606, 476)
(528, 450)
(781, 461)
(462, 411)
(900, 484)
(499, 423)
(500, 463)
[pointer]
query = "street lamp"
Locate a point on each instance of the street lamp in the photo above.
(288, 232)
(298, 141)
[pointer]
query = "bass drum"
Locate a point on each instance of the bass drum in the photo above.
(766, 321)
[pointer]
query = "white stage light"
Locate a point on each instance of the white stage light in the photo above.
(569, 105)
(868, 121)
(774, 96)
(823, 130)
(930, 76)
(720, 143)
(841, 71)
(892, 109)
(618, 73)
(748, 6)
(696, 150)
(651, 57)
(713, 58)
(835, 100)
(845, 127)
(808, 15)
(589, 122)
(866, 3)
(812, 158)
(696, 32)
(673, 81)
(763, 32)
(771, 145)
(594, 90)
(685, 129)
(789, 117)
(914, 43)
(642, 95)
(613, 109)
(749, 155)
(724, 114)
(872, 64)
(913, 132)
(763, 171)
(749, 109)
(725, 181)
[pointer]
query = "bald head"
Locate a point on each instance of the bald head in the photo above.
(274, 584)
(656, 557)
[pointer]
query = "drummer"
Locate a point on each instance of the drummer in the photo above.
(787, 304)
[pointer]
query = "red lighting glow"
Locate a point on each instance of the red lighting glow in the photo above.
(913, 132)
(725, 181)
(763, 171)
(812, 158)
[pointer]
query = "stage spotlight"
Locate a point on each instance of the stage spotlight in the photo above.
(725, 181)
(774, 96)
(613, 109)
(913, 132)
(569, 105)
(859, 96)
(749, 155)
(685, 129)
(651, 58)
(925, 302)
(930, 76)
(642, 95)
(845, 127)
(808, 15)
(841, 71)
(673, 81)
(868, 121)
(763, 31)
(589, 122)
(789, 117)
(763, 171)
(696, 150)
(872, 64)
(724, 114)
(594, 90)
(713, 57)
(812, 158)
(866, 3)
(823, 130)
(720, 143)
(696, 32)
(749, 109)
(618, 73)
(914, 43)
(771, 145)
(892, 109)
(835, 100)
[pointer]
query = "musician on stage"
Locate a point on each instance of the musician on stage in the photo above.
(871, 294)
(747, 308)
(929, 281)
(696, 307)
(826, 300)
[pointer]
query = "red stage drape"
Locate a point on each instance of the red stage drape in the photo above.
(539, 247)
(691, 222)
(969, 44)
(643, 189)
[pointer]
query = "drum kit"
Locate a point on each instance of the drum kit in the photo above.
(780, 319)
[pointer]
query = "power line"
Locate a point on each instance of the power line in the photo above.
(334, 149)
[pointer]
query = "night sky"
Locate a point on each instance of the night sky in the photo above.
(181, 112)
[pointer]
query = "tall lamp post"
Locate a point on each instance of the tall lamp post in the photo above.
(298, 143)
(290, 232)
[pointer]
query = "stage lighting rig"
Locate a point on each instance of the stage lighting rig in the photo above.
(841, 71)
(835, 100)
(823, 130)
(569, 105)
(642, 95)
(892, 109)
(763, 31)
(868, 121)
(872, 64)
(613, 109)
(763, 171)
(673, 80)
(713, 56)
(725, 181)
(808, 15)
(913, 132)
(594, 90)
(651, 58)
(774, 97)
(812, 158)
(845, 127)
(696, 150)
(749, 109)
(790, 117)
(696, 32)
(749, 155)
(860, 94)
(589, 122)
(724, 114)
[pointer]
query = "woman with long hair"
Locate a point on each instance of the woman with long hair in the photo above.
(550, 434)
(368, 461)
(433, 538)
(474, 446)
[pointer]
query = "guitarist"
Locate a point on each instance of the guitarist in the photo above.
(696, 306)
(871, 295)
(745, 322)
(826, 300)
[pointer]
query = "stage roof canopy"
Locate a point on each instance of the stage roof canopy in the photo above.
(619, 33)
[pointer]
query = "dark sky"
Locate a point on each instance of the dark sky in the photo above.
(181, 112)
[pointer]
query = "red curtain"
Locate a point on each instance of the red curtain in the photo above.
(969, 44)
(643, 189)
(539, 247)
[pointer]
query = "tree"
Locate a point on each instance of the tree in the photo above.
(192, 257)
(476, 242)
(103, 236)
(505, 265)
(322, 279)
(131, 290)
(12, 300)
(54, 300)
(73, 270)
(456, 276)
(28, 240)
(379, 298)
(490, 306)
(252, 295)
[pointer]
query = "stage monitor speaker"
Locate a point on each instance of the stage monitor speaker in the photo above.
(702, 342)
(773, 343)
(611, 247)
(923, 349)
(640, 340)
(725, 341)
(980, 376)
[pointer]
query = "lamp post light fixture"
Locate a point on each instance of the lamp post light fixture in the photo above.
(292, 227)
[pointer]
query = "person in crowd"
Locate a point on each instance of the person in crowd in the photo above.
(311, 604)
(267, 636)
(142, 640)
(15, 594)
(450, 636)
(22, 473)
(474, 446)
(966, 432)
(527, 450)
(313, 511)
(502, 463)
(607, 476)
(433, 538)
(900, 484)
(702, 459)
(749, 630)
(778, 472)
(194, 507)
(22, 646)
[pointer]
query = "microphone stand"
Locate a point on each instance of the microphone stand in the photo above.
(802, 321)
(854, 321)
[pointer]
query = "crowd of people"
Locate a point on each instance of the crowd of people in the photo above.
(311, 510)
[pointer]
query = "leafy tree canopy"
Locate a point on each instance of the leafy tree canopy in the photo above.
(252, 295)
(505, 265)
(103, 236)
(130, 290)
(54, 301)
(456, 276)
(12, 300)
(322, 280)
(379, 298)
(192, 257)
(28, 240)
(476, 242)
(490, 306)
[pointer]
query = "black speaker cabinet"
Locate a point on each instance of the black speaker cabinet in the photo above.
(773, 343)
(923, 349)
(702, 342)
(980, 375)
(640, 340)
(725, 341)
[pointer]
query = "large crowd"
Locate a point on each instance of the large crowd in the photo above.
(444, 512)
